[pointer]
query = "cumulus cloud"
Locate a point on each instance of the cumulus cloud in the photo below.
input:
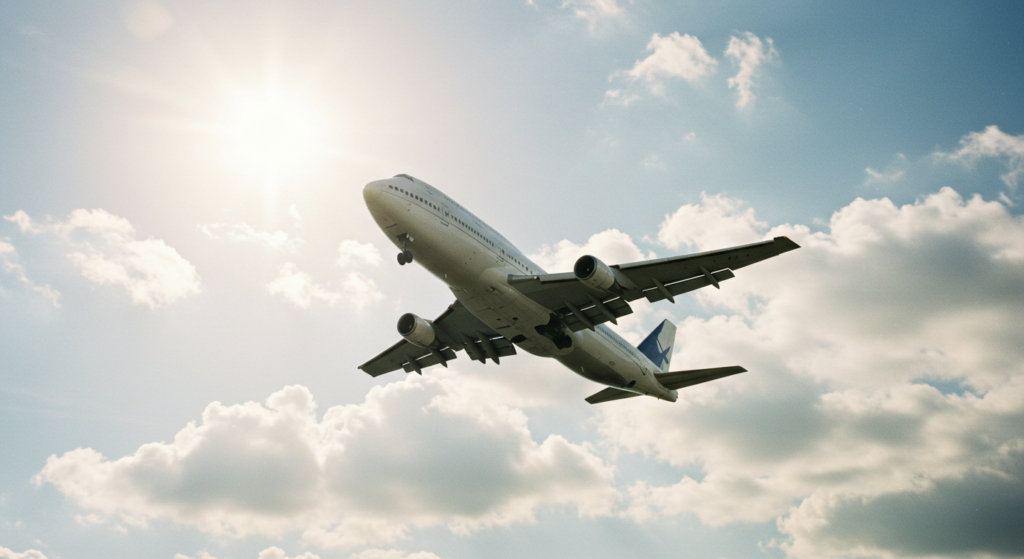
(413, 454)
(243, 232)
(885, 383)
(674, 56)
(352, 253)
(611, 246)
(717, 222)
(748, 53)
(992, 142)
(8, 260)
(30, 554)
(298, 288)
(106, 251)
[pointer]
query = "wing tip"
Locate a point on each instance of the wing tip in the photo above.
(785, 243)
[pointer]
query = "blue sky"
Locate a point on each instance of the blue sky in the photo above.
(186, 266)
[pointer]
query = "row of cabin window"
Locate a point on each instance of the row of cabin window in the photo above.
(455, 218)
(406, 192)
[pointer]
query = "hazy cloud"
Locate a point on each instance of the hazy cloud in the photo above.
(106, 252)
(595, 11)
(243, 232)
(268, 553)
(885, 365)
(298, 288)
(8, 260)
(992, 142)
(748, 53)
(30, 554)
(148, 20)
(882, 176)
(413, 454)
(392, 554)
(353, 253)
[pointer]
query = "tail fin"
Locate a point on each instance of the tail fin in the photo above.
(658, 345)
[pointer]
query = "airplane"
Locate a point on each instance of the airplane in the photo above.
(504, 301)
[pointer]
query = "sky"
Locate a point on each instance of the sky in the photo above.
(189, 278)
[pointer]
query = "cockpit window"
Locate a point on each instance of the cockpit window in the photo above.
(405, 176)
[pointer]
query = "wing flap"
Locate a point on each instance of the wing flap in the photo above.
(609, 394)
(456, 328)
(416, 365)
(686, 286)
(682, 379)
(393, 358)
(580, 306)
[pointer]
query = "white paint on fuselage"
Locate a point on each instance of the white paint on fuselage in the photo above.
(475, 261)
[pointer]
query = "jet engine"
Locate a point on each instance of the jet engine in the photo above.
(416, 330)
(594, 273)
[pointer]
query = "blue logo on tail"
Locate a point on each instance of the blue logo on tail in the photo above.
(658, 345)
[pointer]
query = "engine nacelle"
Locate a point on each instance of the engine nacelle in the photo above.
(416, 330)
(594, 273)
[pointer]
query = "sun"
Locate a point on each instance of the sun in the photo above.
(272, 135)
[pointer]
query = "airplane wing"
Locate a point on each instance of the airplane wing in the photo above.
(456, 329)
(672, 381)
(581, 306)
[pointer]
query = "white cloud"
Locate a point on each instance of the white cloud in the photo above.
(392, 554)
(618, 97)
(30, 554)
(106, 252)
(201, 555)
(595, 11)
(268, 553)
(353, 253)
(894, 172)
(611, 246)
(243, 232)
(992, 142)
(674, 56)
(298, 288)
(654, 161)
(717, 222)
(836, 431)
(413, 454)
(294, 212)
(749, 53)
(8, 260)
(883, 176)
(278, 553)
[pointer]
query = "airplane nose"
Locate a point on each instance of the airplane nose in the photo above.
(372, 191)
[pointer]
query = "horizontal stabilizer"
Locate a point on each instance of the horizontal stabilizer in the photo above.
(682, 379)
(609, 394)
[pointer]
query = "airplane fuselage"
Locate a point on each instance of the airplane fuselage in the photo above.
(475, 262)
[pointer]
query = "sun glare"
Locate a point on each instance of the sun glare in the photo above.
(272, 135)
